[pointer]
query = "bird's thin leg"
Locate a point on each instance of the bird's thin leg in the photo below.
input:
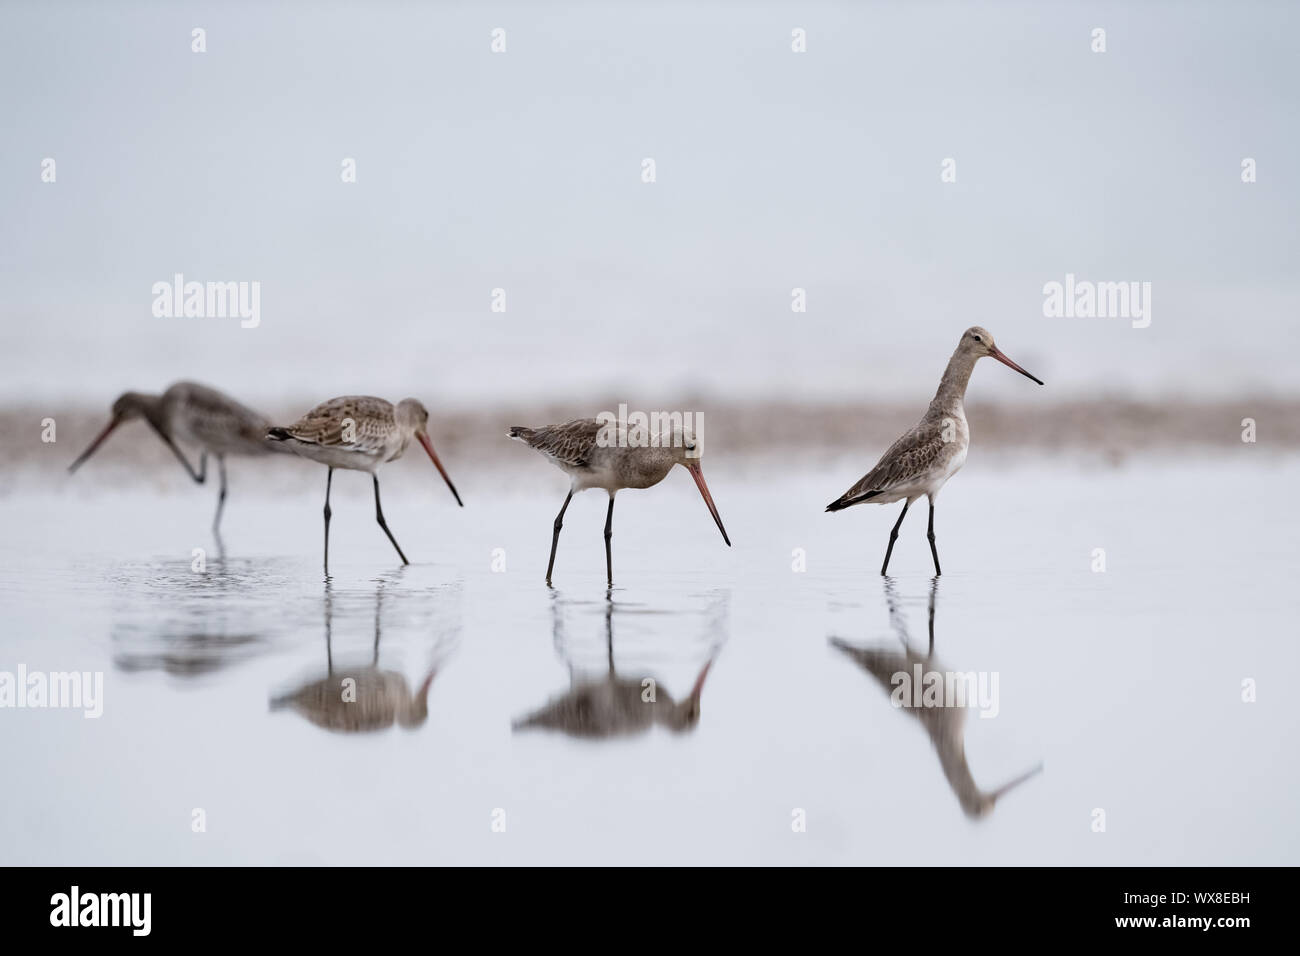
(934, 552)
(555, 538)
(221, 495)
(329, 479)
(893, 536)
(379, 516)
(609, 534)
(199, 476)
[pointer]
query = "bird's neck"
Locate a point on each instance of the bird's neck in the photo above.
(151, 407)
(952, 387)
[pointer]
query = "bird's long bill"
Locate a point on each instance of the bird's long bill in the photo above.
(95, 444)
(698, 475)
(1001, 357)
(428, 446)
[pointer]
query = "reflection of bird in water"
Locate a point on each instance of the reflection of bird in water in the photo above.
(359, 699)
(945, 724)
(610, 706)
(190, 655)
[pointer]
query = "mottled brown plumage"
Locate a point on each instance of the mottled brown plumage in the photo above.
(922, 460)
(359, 433)
(609, 456)
(189, 413)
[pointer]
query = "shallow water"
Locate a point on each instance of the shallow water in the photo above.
(1125, 686)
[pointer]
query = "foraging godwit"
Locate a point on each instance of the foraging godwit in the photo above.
(944, 724)
(196, 414)
(610, 706)
(934, 448)
(596, 454)
(360, 433)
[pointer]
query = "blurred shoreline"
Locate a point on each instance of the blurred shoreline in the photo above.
(1108, 430)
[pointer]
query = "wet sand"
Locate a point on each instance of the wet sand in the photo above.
(1106, 430)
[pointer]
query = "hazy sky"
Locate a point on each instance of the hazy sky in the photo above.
(523, 171)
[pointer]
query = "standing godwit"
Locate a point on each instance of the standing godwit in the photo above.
(198, 415)
(596, 454)
(360, 433)
(934, 448)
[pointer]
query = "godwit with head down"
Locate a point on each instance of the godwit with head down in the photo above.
(192, 414)
(360, 433)
(597, 454)
(930, 453)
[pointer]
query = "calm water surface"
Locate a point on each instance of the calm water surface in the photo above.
(482, 696)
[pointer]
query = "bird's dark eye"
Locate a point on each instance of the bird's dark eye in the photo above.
(977, 338)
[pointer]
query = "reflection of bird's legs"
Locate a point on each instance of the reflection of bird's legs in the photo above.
(896, 618)
(329, 624)
(934, 592)
(379, 600)
(609, 615)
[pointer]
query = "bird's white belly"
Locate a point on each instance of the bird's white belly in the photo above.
(937, 481)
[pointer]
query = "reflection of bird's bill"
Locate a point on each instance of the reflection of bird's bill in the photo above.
(698, 475)
(428, 446)
(699, 681)
(108, 429)
(1001, 357)
(1011, 784)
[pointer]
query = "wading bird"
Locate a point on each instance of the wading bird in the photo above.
(934, 448)
(596, 454)
(193, 414)
(360, 433)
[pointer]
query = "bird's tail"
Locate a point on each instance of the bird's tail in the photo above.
(276, 433)
(520, 433)
(848, 501)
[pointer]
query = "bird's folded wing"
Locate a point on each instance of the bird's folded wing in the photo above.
(907, 461)
(569, 444)
(345, 422)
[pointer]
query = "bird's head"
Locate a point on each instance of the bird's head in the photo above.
(413, 418)
(977, 342)
(688, 450)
